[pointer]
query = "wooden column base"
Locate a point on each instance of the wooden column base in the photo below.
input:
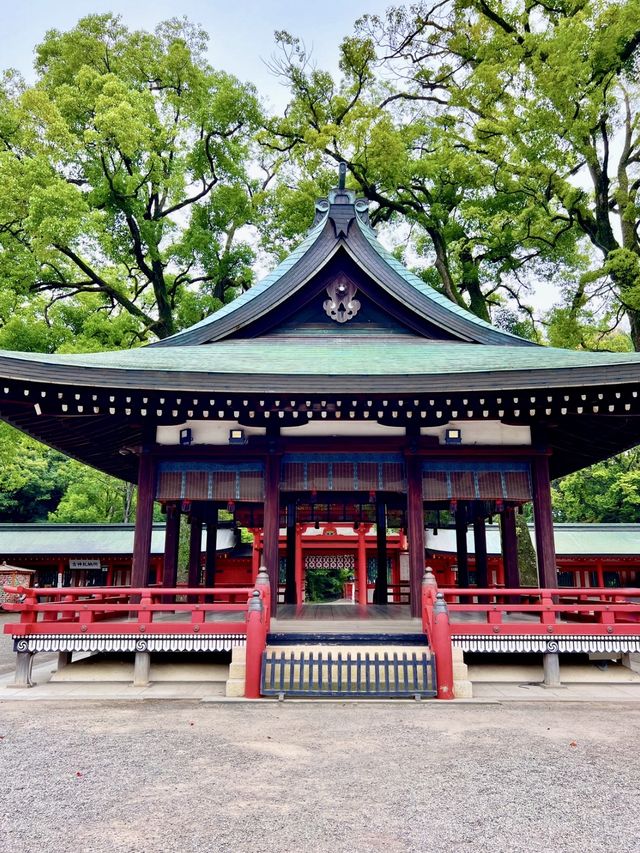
(24, 665)
(64, 659)
(141, 669)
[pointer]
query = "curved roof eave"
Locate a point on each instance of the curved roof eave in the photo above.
(310, 256)
(254, 366)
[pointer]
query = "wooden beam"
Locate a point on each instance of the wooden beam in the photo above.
(211, 547)
(290, 592)
(195, 551)
(509, 547)
(144, 521)
(271, 529)
(462, 556)
(299, 566)
(171, 545)
(380, 592)
(480, 543)
(415, 532)
(361, 568)
(543, 519)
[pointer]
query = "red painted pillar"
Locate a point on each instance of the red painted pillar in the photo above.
(171, 544)
(144, 521)
(271, 532)
(415, 532)
(299, 560)
(442, 648)
(195, 551)
(600, 573)
(545, 544)
(255, 554)
(361, 568)
(509, 547)
(255, 646)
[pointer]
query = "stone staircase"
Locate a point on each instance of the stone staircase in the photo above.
(347, 665)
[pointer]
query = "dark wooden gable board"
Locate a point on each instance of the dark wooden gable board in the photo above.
(379, 314)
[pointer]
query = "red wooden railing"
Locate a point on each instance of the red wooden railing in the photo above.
(588, 612)
(139, 611)
(117, 610)
(565, 611)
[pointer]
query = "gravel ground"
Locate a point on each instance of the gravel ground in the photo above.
(182, 777)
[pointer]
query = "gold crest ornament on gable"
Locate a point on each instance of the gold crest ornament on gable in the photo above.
(341, 305)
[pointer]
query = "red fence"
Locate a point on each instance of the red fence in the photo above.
(116, 610)
(184, 612)
(547, 618)
(588, 611)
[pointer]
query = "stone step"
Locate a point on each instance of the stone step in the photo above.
(291, 638)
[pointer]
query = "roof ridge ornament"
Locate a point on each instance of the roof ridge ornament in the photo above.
(341, 305)
(342, 175)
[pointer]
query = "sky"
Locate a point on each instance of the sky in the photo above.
(241, 32)
(241, 37)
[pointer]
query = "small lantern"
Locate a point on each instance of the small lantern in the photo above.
(237, 436)
(453, 436)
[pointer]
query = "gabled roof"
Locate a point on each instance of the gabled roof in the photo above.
(342, 224)
(571, 540)
(87, 540)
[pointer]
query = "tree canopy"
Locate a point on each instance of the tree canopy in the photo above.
(125, 185)
(494, 129)
(498, 144)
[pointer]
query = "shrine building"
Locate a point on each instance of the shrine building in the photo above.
(339, 389)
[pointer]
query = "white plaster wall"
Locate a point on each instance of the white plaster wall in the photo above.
(204, 432)
(483, 432)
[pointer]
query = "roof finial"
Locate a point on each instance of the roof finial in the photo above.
(342, 174)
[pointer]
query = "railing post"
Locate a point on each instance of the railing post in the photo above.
(29, 613)
(144, 610)
(441, 645)
(428, 591)
(255, 645)
(548, 613)
(264, 585)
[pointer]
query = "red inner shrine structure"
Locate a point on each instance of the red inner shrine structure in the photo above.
(340, 389)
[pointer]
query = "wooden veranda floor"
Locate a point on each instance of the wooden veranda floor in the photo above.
(346, 617)
(339, 611)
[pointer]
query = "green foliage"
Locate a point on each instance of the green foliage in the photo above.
(483, 124)
(527, 562)
(94, 497)
(125, 183)
(326, 584)
(606, 492)
(33, 478)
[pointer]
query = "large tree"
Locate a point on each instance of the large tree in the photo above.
(548, 95)
(490, 127)
(124, 173)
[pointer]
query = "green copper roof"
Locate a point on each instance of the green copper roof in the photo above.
(327, 357)
(344, 225)
(420, 285)
(571, 540)
(86, 540)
